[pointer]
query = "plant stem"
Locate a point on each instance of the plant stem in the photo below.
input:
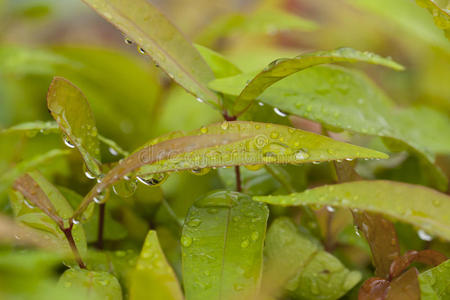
(238, 178)
(101, 222)
(68, 233)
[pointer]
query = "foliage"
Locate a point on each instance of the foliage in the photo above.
(242, 166)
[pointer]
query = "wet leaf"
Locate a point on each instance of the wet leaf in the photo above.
(7, 178)
(341, 99)
(71, 110)
(263, 21)
(441, 15)
(434, 282)
(94, 285)
(284, 67)
(222, 242)
(153, 273)
(218, 63)
(265, 143)
(296, 262)
(46, 198)
(163, 43)
(418, 205)
(374, 288)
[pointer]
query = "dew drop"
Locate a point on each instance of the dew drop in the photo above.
(253, 167)
(186, 241)
(330, 209)
(75, 221)
(113, 151)
(204, 130)
(153, 179)
(279, 112)
(424, 236)
(224, 125)
(125, 188)
(357, 231)
(28, 204)
(255, 235)
(67, 142)
(260, 103)
(141, 50)
(100, 198)
(194, 222)
(245, 244)
(301, 154)
(200, 171)
(128, 41)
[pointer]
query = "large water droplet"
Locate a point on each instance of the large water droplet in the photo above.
(68, 142)
(125, 188)
(153, 179)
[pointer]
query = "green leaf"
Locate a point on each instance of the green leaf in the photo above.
(222, 241)
(298, 263)
(441, 15)
(262, 143)
(343, 99)
(7, 178)
(153, 273)
(263, 21)
(35, 218)
(408, 18)
(218, 63)
(154, 33)
(418, 205)
(71, 110)
(284, 67)
(434, 282)
(94, 285)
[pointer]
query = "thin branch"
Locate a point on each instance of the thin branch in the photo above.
(101, 224)
(237, 170)
(68, 233)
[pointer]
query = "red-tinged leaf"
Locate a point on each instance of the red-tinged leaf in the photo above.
(374, 288)
(428, 257)
(405, 287)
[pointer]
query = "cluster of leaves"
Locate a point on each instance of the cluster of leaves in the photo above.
(260, 226)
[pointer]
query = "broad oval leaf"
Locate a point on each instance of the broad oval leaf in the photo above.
(418, 205)
(296, 262)
(93, 285)
(344, 99)
(222, 242)
(434, 282)
(264, 143)
(153, 273)
(284, 67)
(71, 110)
(159, 38)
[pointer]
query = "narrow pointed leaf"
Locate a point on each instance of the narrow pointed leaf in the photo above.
(153, 273)
(418, 205)
(92, 285)
(154, 33)
(284, 67)
(222, 242)
(434, 282)
(441, 15)
(264, 144)
(296, 263)
(71, 110)
(51, 209)
(340, 98)
(219, 64)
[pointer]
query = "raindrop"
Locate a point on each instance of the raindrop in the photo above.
(255, 235)
(153, 179)
(194, 222)
(75, 221)
(200, 100)
(113, 151)
(224, 125)
(204, 130)
(200, 171)
(100, 198)
(357, 231)
(186, 241)
(28, 203)
(141, 50)
(88, 173)
(349, 159)
(279, 112)
(330, 209)
(125, 188)
(245, 244)
(316, 162)
(260, 103)
(128, 41)
(424, 236)
(67, 142)
(301, 154)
